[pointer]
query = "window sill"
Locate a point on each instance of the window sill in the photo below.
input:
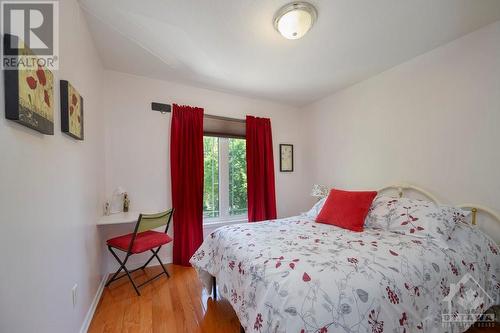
(210, 223)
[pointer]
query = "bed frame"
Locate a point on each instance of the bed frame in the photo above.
(214, 295)
(492, 228)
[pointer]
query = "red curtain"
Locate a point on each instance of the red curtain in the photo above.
(260, 170)
(186, 167)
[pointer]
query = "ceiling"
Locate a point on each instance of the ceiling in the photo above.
(231, 45)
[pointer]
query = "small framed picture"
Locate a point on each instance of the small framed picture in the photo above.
(29, 92)
(71, 111)
(286, 158)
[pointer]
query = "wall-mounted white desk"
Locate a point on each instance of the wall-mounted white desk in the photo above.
(119, 218)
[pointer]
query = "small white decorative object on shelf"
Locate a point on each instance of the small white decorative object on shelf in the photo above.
(319, 191)
(117, 200)
(106, 208)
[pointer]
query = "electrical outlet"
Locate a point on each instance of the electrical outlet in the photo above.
(74, 294)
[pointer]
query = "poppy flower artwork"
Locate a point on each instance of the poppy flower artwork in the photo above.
(71, 111)
(29, 91)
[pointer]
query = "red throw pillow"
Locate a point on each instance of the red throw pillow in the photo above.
(346, 209)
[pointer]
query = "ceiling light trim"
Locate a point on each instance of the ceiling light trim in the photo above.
(293, 6)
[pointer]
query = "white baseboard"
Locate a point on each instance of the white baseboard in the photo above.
(93, 305)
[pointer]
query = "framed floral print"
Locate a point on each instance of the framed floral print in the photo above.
(71, 111)
(29, 90)
(286, 158)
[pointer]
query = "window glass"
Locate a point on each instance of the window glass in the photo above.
(211, 177)
(237, 177)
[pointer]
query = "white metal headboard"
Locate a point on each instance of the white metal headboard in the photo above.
(478, 208)
(400, 188)
(493, 231)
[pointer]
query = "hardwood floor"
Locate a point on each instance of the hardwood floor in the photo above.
(174, 305)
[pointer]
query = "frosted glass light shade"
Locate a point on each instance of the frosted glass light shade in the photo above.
(294, 20)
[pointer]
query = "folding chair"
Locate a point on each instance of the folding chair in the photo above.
(141, 240)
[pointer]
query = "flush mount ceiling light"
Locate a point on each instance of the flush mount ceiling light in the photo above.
(294, 20)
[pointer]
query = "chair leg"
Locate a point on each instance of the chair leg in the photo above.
(122, 266)
(150, 258)
(127, 272)
(113, 278)
(132, 281)
(214, 287)
(147, 262)
(155, 254)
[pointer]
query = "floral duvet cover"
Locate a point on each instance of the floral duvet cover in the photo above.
(295, 275)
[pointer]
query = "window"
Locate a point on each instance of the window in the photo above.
(225, 178)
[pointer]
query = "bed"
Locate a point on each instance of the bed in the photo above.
(296, 275)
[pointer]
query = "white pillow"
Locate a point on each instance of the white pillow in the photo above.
(414, 217)
(314, 211)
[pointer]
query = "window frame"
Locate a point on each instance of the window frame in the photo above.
(224, 216)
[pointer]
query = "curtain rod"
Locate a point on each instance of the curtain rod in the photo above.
(166, 108)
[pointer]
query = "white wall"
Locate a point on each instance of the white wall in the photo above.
(50, 195)
(433, 121)
(138, 140)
